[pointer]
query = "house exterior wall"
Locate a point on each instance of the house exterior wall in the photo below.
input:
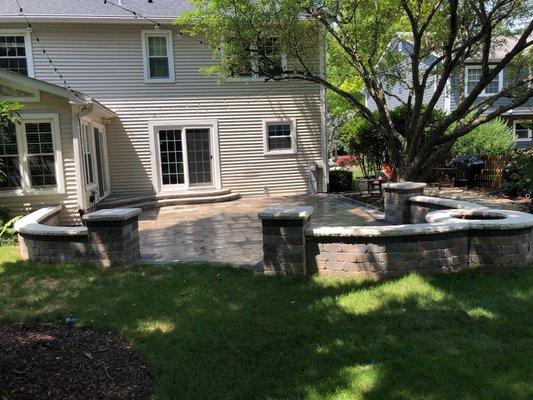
(50, 103)
(105, 61)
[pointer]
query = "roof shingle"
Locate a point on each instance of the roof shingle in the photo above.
(158, 9)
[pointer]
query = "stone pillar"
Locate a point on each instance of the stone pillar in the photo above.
(114, 236)
(284, 239)
(397, 200)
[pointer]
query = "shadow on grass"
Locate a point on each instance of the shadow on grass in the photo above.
(217, 333)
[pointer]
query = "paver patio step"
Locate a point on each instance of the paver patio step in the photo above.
(162, 200)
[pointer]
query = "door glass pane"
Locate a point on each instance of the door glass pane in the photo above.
(100, 163)
(199, 156)
(171, 151)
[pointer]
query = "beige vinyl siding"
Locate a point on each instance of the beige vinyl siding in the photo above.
(105, 61)
(23, 204)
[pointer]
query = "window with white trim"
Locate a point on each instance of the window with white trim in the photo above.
(88, 154)
(279, 137)
(30, 157)
(15, 52)
(473, 76)
(158, 58)
(522, 131)
(262, 60)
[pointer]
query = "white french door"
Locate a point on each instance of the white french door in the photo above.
(95, 161)
(102, 168)
(184, 157)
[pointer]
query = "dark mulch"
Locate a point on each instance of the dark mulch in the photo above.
(51, 361)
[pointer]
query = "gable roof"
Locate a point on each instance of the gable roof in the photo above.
(96, 10)
(72, 96)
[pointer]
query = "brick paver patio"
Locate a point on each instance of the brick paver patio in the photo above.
(231, 232)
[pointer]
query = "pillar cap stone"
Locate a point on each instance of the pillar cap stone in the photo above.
(113, 214)
(286, 212)
(403, 186)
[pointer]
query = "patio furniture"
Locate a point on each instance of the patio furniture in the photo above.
(442, 174)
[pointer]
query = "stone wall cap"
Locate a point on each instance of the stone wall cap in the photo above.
(386, 230)
(507, 219)
(403, 186)
(286, 212)
(31, 224)
(451, 203)
(113, 214)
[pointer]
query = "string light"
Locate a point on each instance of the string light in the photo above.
(180, 34)
(51, 62)
(157, 26)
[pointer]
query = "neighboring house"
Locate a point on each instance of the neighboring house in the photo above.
(159, 128)
(450, 97)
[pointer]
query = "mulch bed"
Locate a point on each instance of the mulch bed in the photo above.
(53, 361)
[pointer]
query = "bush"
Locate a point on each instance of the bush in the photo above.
(340, 181)
(492, 138)
(7, 231)
(518, 175)
(368, 144)
(365, 143)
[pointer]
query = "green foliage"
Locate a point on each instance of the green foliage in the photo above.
(340, 180)
(9, 113)
(367, 142)
(360, 138)
(7, 230)
(518, 175)
(8, 116)
(492, 138)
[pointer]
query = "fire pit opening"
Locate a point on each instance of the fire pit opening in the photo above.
(479, 216)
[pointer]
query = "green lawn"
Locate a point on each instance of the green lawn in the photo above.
(215, 333)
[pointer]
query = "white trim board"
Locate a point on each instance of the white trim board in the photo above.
(145, 34)
(212, 124)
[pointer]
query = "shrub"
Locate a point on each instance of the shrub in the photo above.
(492, 138)
(340, 181)
(368, 143)
(7, 231)
(518, 175)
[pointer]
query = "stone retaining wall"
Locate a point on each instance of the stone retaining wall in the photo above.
(387, 256)
(110, 238)
(429, 235)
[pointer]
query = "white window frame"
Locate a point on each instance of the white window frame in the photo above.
(529, 131)
(153, 128)
(88, 147)
(294, 145)
(254, 59)
(483, 93)
(27, 44)
(145, 34)
(22, 145)
(105, 156)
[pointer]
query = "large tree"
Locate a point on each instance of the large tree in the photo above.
(448, 33)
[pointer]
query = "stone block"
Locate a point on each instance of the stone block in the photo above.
(353, 248)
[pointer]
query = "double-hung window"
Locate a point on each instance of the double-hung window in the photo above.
(473, 76)
(30, 156)
(15, 51)
(158, 57)
(262, 60)
(279, 136)
(522, 131)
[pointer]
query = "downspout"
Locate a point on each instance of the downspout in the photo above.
(323, 107)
